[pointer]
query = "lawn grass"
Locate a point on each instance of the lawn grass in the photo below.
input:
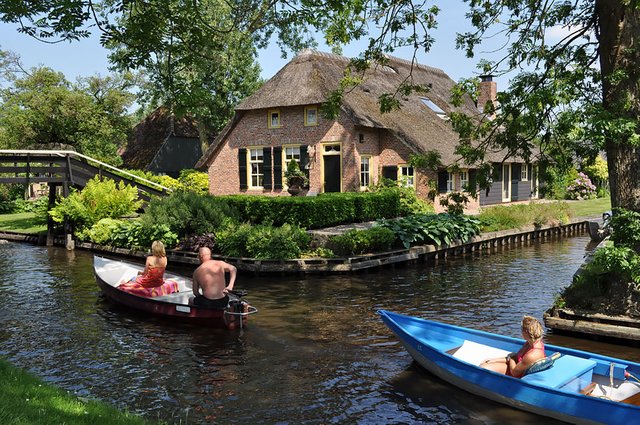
(28, 400)
(22, 223)
(590, 207)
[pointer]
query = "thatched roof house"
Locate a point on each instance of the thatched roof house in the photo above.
(163, 144)
(368, 141)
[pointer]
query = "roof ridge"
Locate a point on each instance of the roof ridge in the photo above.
(313, 52)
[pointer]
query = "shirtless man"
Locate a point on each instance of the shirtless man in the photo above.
(210, 276)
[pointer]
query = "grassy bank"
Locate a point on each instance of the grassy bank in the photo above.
(22, 223)
(505, 217)
(590, 207)
(27, 400)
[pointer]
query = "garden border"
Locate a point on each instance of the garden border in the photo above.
(485, 243)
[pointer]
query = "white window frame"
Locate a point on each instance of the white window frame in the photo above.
(255, 156)
(464, 180)
(287, 157)
(406, 175)
(506, 182)
(365, 171)
(524, 172)
(308, 123)
(451, 182)
(270, 115)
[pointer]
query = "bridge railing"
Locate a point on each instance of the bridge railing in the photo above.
(56, 166)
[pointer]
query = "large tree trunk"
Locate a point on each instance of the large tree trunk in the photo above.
(619, 40)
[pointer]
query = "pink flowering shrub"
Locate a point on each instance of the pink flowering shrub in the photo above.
(581, 188)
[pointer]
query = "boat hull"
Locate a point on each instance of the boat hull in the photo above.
(427, 344)
(173, 307)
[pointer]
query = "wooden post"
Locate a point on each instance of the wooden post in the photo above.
(68, 233)
(52, 201)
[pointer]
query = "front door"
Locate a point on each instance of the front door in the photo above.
(331, 173)
(506, 182)
(331, 167)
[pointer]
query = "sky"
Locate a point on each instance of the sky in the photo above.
(86, 57)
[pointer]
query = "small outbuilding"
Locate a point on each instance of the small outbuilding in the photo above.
(163, 144)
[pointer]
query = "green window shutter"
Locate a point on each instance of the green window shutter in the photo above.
(266, 158)
(443, 177)
(242, 168)
(473, 180)
(277, 167)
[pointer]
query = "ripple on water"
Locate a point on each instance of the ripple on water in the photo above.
(316, 352)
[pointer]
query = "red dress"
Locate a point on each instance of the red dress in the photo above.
(151, 284)
(153, 278)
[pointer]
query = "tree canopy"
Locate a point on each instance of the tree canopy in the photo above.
(42, 110)
(570, 98)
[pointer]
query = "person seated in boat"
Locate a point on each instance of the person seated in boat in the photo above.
(533, 350)
(153, 274)
(210, 277)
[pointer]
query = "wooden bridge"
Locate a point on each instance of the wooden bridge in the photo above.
(67, 169)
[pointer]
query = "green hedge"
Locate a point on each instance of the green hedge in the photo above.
(324, 210)
(356, 242)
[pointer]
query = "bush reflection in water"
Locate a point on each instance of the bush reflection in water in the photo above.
(315, 353)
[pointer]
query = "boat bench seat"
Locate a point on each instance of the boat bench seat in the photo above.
(568, 372)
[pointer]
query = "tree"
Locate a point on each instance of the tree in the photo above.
(587, 83)
(193, 58)
(42, 110)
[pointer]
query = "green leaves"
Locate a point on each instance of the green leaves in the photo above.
(98, 200)
(356, 242)
(43, 110)
(437, 229)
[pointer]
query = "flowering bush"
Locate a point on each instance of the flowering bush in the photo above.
(581, 188)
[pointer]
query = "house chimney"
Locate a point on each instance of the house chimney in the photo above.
(487, 92)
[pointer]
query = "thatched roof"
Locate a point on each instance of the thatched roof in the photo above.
(151, 133)
(311, 76)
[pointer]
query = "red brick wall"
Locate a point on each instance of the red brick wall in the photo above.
(252, 131)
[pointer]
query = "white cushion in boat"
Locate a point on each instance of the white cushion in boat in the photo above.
(474, 353)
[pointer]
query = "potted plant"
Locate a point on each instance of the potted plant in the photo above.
(295, 178)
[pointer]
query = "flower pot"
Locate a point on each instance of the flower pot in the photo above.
(294, 190)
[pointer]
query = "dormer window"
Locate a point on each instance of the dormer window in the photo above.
(274, 118)
(310, 116)
(435, 108)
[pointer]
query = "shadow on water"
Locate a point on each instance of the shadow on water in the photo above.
(316, 352)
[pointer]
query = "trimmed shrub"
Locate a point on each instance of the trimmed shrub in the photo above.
(409, 202)
(324, 210)
(355, 242)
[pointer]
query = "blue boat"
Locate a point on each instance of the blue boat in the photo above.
(579, 387)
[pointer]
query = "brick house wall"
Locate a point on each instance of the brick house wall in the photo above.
(252, 131)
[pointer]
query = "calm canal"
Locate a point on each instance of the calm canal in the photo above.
(316, 353)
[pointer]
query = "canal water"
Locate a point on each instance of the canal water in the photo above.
(316, 353)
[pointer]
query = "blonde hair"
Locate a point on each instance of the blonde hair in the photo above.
(157, 249)
(532, 327)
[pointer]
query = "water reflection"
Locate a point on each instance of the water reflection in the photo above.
(316, 352)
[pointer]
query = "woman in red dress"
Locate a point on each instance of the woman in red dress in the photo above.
(150, 282)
